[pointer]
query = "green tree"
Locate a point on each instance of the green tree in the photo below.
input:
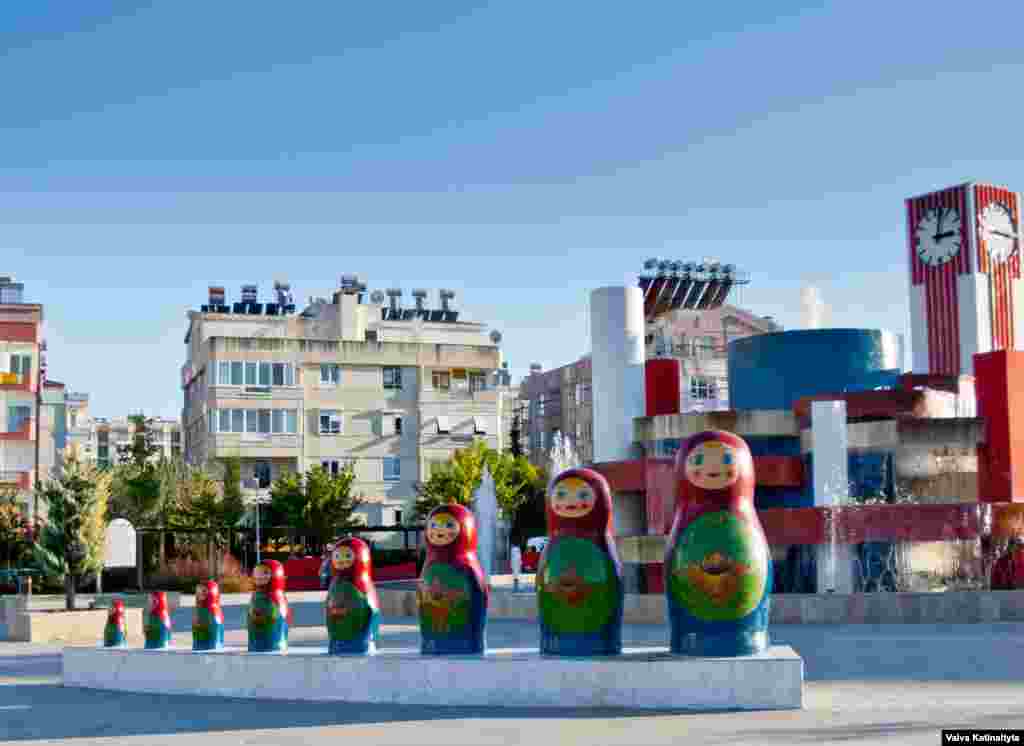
(457, 480)
(137, 484)
(72, 541)
(15, 530)
(319, 502)
(206, 505)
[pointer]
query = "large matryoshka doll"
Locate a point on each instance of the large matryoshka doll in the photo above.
(718, 569)
(353, 611)
(115, 632)
(579, 577)
(208, 618)
(453, 592)
(268, 609)
(157, 622)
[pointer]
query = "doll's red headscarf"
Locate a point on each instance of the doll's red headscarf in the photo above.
(598, 522)
(360, 572)
(462, 551)
(158, 605)
(692, 499)
(116, 611)
(212, 601)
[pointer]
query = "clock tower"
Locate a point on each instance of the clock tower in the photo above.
(966, 295)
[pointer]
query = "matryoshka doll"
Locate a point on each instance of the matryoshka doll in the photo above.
(718, 567)
(268, 610)
(453, 592)
(115, 633)
(157, 624)
(579, 577)
(353, 610)
(208, 618)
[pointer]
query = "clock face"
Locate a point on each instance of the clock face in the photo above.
(938, 235)
(998, 231)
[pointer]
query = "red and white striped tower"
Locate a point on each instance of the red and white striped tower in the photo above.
(965, 284)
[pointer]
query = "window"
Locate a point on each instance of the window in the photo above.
(398, 426)
(392, 378)
(21, 366)
(443, 428)
(540, 405)
(392, 469)
(251, 423)
(17, 417)
(398, 517)
(330, 374)
(277, 425)
(477, 381)
(264, 420)
(330, 466)
(74, 417)
(237, 420)
(441, 380)
(264, 374)
(479, 426)
(236, 374)
(261, 473)
(225, 420)
(702, 388)
(223, 374)
(213, 420)
(251, 374)
(330, 422)
(292, 420)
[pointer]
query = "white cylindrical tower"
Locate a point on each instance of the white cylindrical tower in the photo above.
(617, 369)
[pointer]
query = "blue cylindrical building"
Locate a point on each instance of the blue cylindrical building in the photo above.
(773, 371)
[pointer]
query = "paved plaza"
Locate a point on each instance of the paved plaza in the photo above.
(865, 684)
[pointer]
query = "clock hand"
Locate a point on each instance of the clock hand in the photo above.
(947, 234)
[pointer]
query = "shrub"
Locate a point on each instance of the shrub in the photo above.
(183, 574)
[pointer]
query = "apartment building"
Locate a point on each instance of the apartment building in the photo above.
(21, 355)
(560, 400)
(97, 439)
(393, 389)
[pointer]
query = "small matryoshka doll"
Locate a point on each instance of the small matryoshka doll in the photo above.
(115, 633)
(579, 576)
(157, 623)
(718, 568)
(208, 618)
(353, 610)
(453, 592)
(268, 610)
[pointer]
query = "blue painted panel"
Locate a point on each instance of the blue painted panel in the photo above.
(773, 445)
(772, 371)
(871, 473)
(760, 445)
(781, 497)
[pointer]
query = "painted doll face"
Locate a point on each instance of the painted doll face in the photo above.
(442, 529)
(712, 465)
(342, 558)
(261, 575)
(201, 593)
(154, 603)
(572, 498)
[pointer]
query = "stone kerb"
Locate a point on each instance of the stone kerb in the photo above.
(84, 626)
(646, 678)
(135, 600)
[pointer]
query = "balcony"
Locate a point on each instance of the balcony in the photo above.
(18, 479)
(15, 382)
(439, 396)
(25, 432)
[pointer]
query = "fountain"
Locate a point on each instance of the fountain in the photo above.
(561, 456)
(485, 506)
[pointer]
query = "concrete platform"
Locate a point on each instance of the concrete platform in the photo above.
(642, 678)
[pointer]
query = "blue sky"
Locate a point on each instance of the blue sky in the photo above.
(521, 153)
